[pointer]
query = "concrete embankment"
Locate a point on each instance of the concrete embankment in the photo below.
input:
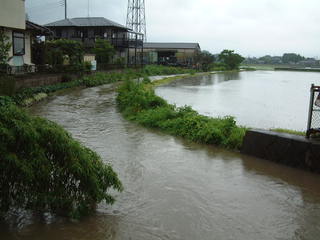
(288, 149)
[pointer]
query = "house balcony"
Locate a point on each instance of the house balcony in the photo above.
(118, 43)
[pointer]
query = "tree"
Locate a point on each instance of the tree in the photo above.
(5, 46)
(292, 58)
(104, 51)
(44, 169)
(205, 58)
(231, 59)
(58, 50)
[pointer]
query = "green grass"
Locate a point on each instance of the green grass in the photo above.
(139, 103)
(281, 130)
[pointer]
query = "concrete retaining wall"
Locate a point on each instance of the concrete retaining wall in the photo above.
(38, 80)
(291, 150)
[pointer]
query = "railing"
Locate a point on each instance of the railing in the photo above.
(61, 69)
(314, 111)
(116, 42)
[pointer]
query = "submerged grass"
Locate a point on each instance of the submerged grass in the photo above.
(140, 104)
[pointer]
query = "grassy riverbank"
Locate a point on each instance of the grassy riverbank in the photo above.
(138, 102)
(27, 97)
(293, 132)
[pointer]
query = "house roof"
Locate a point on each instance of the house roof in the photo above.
(86, 22)
(41, 30)
(172, 45)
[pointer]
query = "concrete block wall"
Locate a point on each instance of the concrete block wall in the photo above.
(288, 149)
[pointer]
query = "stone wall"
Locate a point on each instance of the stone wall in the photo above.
(288, 149)
(38, 80)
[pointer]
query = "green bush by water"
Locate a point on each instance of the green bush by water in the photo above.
(141, 105)
(44, 169)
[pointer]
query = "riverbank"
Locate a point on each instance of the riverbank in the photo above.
(297, 69)
(288, 149)
(29, 96)
(139, 103)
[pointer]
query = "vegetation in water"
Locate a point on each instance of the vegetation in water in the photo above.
(44, 169)
(140, 104)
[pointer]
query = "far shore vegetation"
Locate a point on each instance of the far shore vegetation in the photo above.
(288, 131)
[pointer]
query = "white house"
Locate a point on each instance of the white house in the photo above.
(19, 31)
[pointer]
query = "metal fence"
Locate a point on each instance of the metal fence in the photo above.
(61, 69)
(314, 111)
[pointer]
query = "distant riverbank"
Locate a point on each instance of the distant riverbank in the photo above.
(272, 67)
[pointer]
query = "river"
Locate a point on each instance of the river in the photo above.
(259, 99)
(174, 189)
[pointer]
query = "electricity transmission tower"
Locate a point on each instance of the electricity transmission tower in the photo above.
(136, 17)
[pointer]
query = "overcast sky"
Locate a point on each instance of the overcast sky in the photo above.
(250, 27)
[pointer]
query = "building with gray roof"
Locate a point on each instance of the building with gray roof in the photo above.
(170, 53)
(88, 29)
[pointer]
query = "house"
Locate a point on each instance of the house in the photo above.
(170, 53)
(19, 32)
(88, 29)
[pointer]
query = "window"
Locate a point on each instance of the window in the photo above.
(18, 44)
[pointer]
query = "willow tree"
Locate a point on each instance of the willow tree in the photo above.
(43, 169)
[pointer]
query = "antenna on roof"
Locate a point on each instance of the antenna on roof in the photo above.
(65, 9)
(64, 3)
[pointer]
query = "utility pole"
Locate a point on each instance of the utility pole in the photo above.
(65, 9)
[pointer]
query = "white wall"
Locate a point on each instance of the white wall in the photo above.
(12, 14)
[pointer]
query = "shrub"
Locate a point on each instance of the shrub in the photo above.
(43, 168)
(103, 50)
(61, 50)
(5, 46)
(139, 103)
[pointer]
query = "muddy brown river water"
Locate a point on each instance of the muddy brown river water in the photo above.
(174, 189)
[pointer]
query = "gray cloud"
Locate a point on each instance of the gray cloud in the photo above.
(250, 27)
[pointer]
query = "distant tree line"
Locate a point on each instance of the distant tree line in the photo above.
(226, 60)
(287, 58)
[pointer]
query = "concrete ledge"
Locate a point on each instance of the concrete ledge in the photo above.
(288, 149)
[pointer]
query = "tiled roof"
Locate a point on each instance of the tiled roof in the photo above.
(86, 22)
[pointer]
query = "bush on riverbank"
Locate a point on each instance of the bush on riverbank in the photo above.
(43, 168)
(140, 104)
